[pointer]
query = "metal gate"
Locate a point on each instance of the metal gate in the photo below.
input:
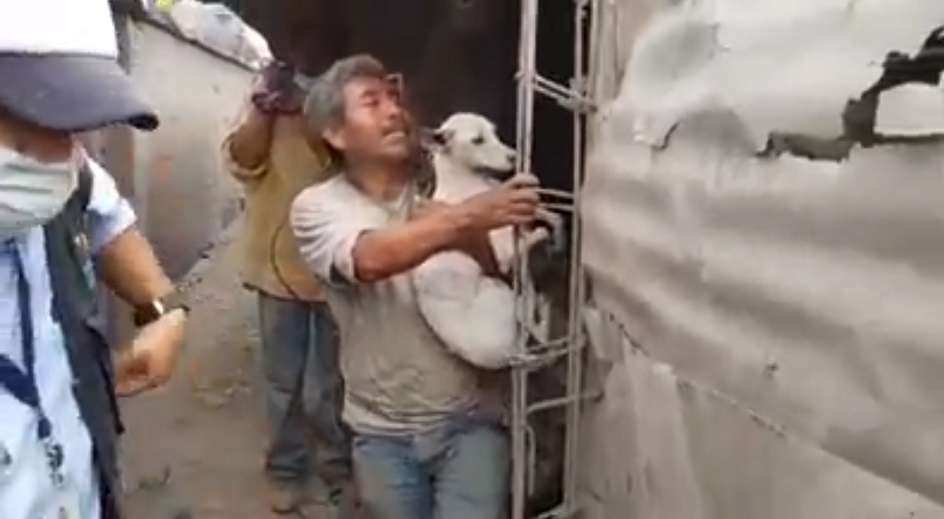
(537, 350)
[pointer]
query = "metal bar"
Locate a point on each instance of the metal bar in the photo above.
(526, 73)
(597, 8)
(532, 361)
(558, 513)
(553, 350)
(546, 191)
(572, 98)
(530, 329)
(575, 324)
(554, 403)
(566, 208)
(532, 440)
(552, 86)
(521, 461)
(519, 443)
(536, 357)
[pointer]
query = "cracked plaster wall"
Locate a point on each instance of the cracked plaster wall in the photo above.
(769, 327)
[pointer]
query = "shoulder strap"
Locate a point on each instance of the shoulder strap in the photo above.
(67, 254)
(75, 308)
(83, 195)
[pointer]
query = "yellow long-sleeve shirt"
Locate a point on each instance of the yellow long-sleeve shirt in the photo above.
(271, 261)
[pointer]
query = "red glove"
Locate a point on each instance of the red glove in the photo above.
(276, 93)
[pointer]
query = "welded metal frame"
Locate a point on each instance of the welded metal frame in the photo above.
(535, 352)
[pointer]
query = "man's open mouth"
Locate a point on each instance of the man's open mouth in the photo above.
(395, 134)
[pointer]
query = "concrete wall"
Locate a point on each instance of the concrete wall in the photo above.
(174, 176)
(766, 316)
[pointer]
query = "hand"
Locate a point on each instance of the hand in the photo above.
(150, 359)
(513, 203)
(274, 91)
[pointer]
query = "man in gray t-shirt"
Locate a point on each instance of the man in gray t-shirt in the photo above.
(427, 436)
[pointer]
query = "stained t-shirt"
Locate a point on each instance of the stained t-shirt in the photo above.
(397, 374)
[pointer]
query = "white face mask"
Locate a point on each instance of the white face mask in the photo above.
(32, 192)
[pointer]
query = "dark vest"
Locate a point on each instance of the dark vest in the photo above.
(75, 308)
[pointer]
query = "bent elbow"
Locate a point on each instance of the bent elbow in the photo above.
(369, 270)
(372, 263)
(244, 161)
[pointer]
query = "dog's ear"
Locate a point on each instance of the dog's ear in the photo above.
(434, 139)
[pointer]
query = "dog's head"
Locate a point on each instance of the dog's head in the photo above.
(471, 142)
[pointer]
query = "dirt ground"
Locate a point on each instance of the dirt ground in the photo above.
(193, 449)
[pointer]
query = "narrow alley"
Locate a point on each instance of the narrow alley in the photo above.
(205, 462)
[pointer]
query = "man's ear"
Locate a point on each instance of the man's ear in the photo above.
(335, 138)
(434, 139)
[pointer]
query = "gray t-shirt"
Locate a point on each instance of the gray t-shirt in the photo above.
(397, 374)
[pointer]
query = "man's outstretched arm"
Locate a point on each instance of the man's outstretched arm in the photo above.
(126, 263)
(340, 248)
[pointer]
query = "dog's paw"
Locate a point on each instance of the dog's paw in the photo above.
(552, 224)
(540, 235)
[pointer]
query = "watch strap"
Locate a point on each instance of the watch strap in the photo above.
(149, 312)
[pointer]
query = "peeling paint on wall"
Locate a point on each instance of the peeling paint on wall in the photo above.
(789, 67)
(763, 218)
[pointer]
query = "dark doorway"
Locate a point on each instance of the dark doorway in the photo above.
(456, 55)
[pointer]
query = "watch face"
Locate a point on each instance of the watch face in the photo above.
(148, 313)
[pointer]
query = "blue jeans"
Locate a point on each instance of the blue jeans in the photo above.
(458, 471)
(304, 393)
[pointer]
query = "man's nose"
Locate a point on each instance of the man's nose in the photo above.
(393, 108)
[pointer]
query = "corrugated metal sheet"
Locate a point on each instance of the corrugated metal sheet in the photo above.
(786, 312)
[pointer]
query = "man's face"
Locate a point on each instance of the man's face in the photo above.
(38, 143)
(376, 127)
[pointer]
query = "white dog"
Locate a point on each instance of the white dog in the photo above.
(473, 314)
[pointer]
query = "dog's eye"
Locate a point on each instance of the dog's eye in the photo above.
(478, 141)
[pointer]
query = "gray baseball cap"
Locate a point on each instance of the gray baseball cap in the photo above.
(59, 67)
(70, 92)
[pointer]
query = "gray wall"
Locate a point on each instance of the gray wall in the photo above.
(767, 327)
(175, 175)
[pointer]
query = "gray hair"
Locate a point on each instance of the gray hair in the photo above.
(324, 104)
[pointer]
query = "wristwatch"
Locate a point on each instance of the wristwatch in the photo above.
(149, 312)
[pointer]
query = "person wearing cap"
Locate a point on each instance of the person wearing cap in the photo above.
(61, 222)
(273, 154)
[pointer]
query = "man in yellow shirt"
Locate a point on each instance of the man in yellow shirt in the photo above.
(274, 155)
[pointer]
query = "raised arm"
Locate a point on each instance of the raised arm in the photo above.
(246, 149)
(342, 247)
(273, 94)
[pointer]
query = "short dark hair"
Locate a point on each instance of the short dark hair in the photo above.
(324, 104)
